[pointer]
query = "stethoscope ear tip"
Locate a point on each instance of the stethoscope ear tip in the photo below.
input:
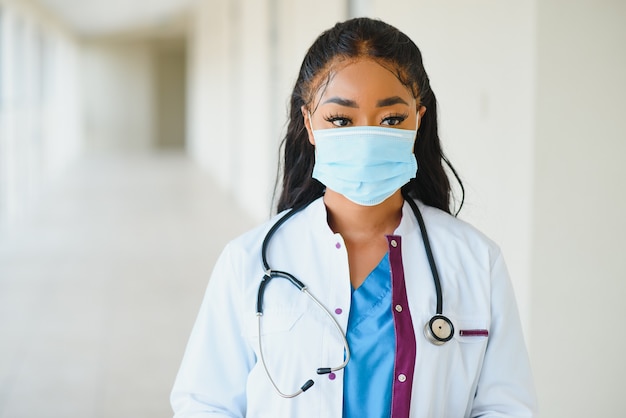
(307, 385)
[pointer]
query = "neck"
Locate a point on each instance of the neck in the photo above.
(356, 222)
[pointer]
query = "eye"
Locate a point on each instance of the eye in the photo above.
(338, 120)
(393, 120)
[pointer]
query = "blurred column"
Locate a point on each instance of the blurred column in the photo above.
(244, 57)
(209, 97)
(39, 122)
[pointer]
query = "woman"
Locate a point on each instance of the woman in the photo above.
(362, 119)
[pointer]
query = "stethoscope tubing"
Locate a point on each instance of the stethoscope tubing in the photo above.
(270, 274)
(271, 232)
(429, 255)
(435, 331)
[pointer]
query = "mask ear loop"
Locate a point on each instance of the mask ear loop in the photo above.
(312, 131)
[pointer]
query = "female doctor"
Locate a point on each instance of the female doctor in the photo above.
(364, 297)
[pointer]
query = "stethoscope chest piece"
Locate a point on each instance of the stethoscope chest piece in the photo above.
(439, 330)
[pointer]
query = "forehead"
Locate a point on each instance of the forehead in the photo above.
(362, 79)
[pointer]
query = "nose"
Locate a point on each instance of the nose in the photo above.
(366, 121)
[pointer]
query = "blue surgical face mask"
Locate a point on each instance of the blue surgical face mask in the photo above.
(366, 164)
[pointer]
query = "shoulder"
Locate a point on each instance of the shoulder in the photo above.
(306, 219)
(440, 219)
(457, 233)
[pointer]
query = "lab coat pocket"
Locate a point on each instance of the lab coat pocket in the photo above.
(283, 339)
(279, 321)
(472, 331)
(274, 321)
(471, 336)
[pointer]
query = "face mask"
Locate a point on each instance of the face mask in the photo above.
(366, 164)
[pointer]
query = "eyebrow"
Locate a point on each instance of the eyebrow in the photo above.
(342, 102)
(390, 101)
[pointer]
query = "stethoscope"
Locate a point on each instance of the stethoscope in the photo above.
(438, 330)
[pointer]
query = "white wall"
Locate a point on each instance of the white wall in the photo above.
(134, 93)
(531, 99)
(39, 104)
(243, 61)
(480, 60)
(119, 96)
(579, 267)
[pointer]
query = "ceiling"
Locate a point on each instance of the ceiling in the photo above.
(112, 17)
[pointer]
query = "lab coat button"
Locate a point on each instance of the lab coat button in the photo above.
(338, 245)
(338, 311)
(394, 243)
(401, 378)
(399, 308)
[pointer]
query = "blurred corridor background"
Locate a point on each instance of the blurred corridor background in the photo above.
(138, 137)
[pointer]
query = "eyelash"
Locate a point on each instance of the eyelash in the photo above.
(338, 117)
(398, 118)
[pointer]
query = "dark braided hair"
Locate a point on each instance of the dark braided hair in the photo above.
(374, 39)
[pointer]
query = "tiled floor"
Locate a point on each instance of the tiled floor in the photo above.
(100, 284)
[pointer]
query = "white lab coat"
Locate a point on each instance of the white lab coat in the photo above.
(221, 374)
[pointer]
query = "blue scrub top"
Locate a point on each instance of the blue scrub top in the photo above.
(368, 377)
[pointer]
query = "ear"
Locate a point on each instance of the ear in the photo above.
(421, 111)
(420, 114)
(307, 124)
